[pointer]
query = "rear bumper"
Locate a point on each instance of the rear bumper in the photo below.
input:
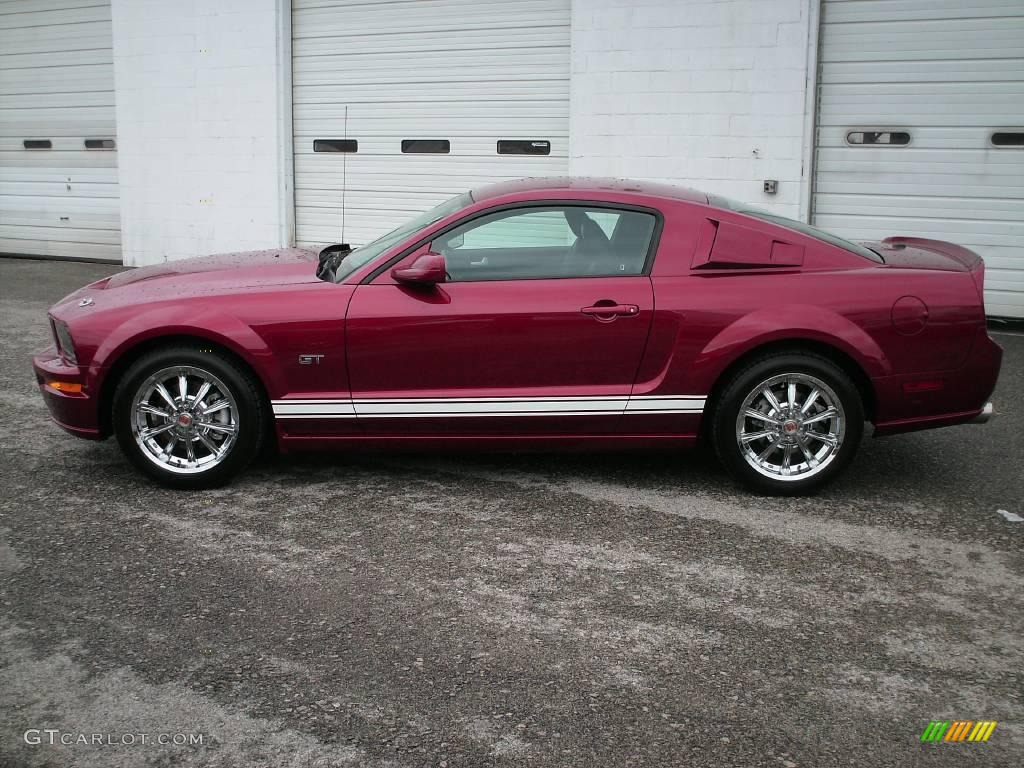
(73, 412)
(985, 415)
(963, 397)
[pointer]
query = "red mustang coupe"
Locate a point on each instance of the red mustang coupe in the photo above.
(544, 313)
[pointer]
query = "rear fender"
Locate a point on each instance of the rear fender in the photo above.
(797, 322)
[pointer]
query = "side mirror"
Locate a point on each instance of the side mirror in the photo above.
(428, 269)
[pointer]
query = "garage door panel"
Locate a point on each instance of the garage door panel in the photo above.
(954, 38)
(30, 231)
(59, 40)
(32, 6)
(432, 67)
(363, 118)
(70, 162)
(1003, 260)
(57, 102)
(903, 171)
(412, 89)
(381, 19)
(911, 164)
(923, 71)
(928, 93)
(56, 58)
(979, 232)
(61, 249)
(901, 10)
(949, 74)
(869, 186)
(57, 13)
(852, 204)
(321, 168)
(432, 41)
(469, 71)
(80, 77)
(894, 111)
(11, 174)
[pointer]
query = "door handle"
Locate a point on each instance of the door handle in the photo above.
(608, 312)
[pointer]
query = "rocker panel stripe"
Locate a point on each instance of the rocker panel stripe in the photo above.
(394, 408)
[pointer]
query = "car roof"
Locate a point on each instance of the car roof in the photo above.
(576, 185)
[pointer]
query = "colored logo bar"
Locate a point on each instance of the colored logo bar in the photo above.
(958, 730)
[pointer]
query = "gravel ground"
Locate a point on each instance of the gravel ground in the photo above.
(408, 610)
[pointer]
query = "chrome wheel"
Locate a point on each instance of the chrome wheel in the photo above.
(184, 419)
(790, 427)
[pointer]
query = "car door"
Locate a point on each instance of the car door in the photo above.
(539, 328)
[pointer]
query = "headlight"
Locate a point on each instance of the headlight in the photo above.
(64, 343)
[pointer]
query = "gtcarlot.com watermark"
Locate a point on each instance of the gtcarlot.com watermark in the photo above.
(54, 737)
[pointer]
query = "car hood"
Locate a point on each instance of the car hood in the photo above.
(203, 276)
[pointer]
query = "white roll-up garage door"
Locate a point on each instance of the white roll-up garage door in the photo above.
(921, 129)
(58, 168)
(449, 78)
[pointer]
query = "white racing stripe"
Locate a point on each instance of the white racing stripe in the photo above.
(432, 407)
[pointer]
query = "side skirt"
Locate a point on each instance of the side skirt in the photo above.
(496, 443)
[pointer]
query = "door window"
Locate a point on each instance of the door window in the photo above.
(548, 242)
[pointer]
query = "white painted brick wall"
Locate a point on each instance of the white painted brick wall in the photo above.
(708, 93)
(198, 127)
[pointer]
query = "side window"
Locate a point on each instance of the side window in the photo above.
(537, 229)
(548, 242)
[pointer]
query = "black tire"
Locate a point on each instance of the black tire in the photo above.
(804, 368)
(251, 420)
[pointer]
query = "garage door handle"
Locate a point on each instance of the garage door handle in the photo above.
(608, 312)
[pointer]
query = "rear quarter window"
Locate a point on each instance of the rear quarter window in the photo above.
(797, 226)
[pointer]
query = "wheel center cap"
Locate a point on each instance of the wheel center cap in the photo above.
(184, 420)
(790, 427)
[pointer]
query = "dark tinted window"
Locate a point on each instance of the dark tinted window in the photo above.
(548, 242)
(878, 138)
(37, 144)
(335, 145)
(99, 144)
(426, 146)
(524, 147)
(1008, 138)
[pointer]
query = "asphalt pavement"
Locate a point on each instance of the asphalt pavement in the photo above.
(477, 610)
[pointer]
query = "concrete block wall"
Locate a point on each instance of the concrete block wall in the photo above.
(199, 127)
(709, 93)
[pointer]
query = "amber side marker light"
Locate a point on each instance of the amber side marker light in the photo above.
(70, 387)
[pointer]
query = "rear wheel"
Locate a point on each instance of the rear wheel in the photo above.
(188, 418)
(787, 423)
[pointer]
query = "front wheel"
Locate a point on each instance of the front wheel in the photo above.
(787, 423)
(188, 418)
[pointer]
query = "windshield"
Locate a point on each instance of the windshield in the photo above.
(799, 226)
(366, 253)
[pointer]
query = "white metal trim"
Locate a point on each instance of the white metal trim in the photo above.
(810, 111)
(285, 135)
(453, 407)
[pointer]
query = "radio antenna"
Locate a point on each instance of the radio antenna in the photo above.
(344, 175)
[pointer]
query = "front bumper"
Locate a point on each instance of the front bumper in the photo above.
(75, 412)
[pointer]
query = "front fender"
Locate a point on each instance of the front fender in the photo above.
(785, 323)
(185, 320)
